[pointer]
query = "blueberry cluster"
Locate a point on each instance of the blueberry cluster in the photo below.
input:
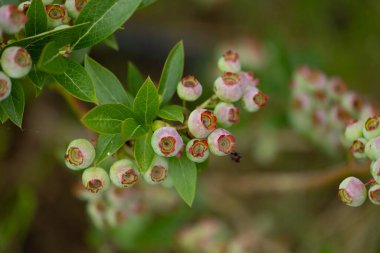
(321, 107)
(196, 138)
(364, 136)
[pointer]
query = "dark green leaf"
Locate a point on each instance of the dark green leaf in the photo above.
(171, 112)
(183, 172)
(144, 153)
(107, 145)
(34, 44)
(37, 19)
(38, 78)
(108, 88)
(135, 79)
(111, 42)
(51, 60)
(14, 105)
(107, 119)
(172, 72)
(146, 103)
(105, 17)
(77, 82)
(130, 128)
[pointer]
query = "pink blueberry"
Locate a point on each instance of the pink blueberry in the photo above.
(189, 88)
(227, 114)
(12, 20)
(5, 86)
(123, 173)
(254, 99)
(197, 150)
(16, 62)
(352, 192)
(201, 123)
(228, 87)
(166, 142)
(221, 142)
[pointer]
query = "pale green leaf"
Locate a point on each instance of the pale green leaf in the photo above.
(14, 105)
(171, 112)
(130, 128)
(146, 103)
(107, 145)
(143, 151)
(37, 19)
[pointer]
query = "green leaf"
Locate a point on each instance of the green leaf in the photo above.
(171, 112)
(34, 44)
(77, 82)
(111, 42)
(38, 78)
(135, 78)
(105, 16)
(51, 60)
(108, 88)
(3, 115)
(107, 119)
(183, 172)
(172, 72)
(144, 153)
(130, 128)
(146, 103)
(146, 3)
(37, 19)
(14, 105)
(107, 145)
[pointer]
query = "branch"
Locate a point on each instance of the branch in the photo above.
(290, 181)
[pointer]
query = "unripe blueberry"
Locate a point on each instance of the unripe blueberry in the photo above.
(375, 170)
(189, 88)
(352, 102)
(11, 19)
(354, 130)
(115, 216)
(228, 88)
(201, 123)
(358, 148)
(221, 142)
(197, 150)
(5, 86)
(158, 170)
(157, 124)
(307, 79)
(24, 6)
(74, 7)
(16, 62)
(57, 14)
(372, 148)
(336, 88)
(79, 154)
(166, 142)
(302, 102)
(374, 194)
(123, 173)
(95, 179)
(96, 211)
(371, 127)
(248, 80)
(352, 192)
(229, 62)
(227, 114)
(253, 99)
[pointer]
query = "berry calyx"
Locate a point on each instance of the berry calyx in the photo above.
(158, 170)
(229, 62)
(374, 194)
(371, 127)
(56, 13)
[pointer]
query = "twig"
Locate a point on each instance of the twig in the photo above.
(208, 101)
(288, 182)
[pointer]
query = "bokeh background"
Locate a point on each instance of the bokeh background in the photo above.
(282, 197)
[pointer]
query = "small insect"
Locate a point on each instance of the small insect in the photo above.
(235, 156)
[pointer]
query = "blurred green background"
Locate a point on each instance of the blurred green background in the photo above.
(39, 213)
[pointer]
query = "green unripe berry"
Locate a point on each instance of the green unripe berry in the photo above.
(197, 150)
(123, 173)
(74, 7)
(158, 171)
(80, 154)
(372, 148)
(374, 194)
(95, 179)
(189, 88)
(352, 192)
(229, 62)
(16, 62)
(375, 170)
(354, 130)
(371, 127)
(358, 148)
(5, 86)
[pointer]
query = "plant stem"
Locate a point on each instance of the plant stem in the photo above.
(208, 101)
